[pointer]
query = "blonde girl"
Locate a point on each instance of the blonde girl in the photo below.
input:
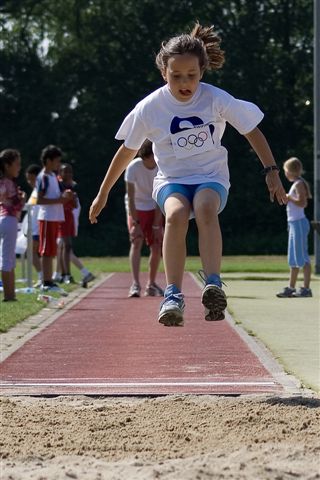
(185, 119)
(298, 229)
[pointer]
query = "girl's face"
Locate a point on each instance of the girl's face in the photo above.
(290, 176)
(66, 175)
(183, 75)
(13, 170)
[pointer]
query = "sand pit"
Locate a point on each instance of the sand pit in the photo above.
(171, 437)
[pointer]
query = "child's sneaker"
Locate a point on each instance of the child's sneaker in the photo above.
(134, 291)
(287, 292)
(303, 292)
(171, 311)
(153, 290)
(172, 307)
(213, 297)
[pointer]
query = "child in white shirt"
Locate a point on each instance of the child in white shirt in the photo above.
(185, 120)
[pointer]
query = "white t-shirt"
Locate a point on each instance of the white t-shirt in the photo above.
(187, 136)
(294, 212)
(48, 184)
(143, 178)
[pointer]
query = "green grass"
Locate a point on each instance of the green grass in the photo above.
(253, 264)
(15, 312)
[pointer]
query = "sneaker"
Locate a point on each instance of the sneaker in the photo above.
(88, 278)
(171, 310)
(213, 297)
(67, 279)
(287, 292)
(134, 291)
(153, 290)
(57, 277)
(53, 287)
(37, 284)
(303, 292)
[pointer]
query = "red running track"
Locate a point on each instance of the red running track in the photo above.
(108, 344)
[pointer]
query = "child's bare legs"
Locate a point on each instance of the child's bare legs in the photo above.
(206, 204)
(8, 284)
(306, 275)
(65, 255)
(135, 256)
(177, 210)
(47, 268)
(35, 255)
(76, 261)
(154, 260)
(294, 271)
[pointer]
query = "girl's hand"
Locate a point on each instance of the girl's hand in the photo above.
(275, 188)
(97, 205)
(135, 232)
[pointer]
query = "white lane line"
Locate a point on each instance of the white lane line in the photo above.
(136, 384)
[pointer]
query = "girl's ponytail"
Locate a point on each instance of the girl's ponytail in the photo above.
(211, 43)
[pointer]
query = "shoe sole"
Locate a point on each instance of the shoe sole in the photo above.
(172, 318)
(215, 302)
(134, 295)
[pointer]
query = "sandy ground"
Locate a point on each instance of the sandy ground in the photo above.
(188, 438)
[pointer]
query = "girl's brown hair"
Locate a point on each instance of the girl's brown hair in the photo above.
(202, 42)
(294, 166)
(7, 157)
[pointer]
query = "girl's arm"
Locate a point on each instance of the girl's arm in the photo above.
(118, 165)
(260, 145)
(301, 199)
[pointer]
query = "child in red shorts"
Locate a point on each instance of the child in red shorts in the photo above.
(50, 212)
(144, 219)
(66, 229)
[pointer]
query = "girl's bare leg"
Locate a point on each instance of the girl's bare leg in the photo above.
(294, 271)
(135, 257)
(8, 284)
(177, 210)
(307, 275)
(206, 204)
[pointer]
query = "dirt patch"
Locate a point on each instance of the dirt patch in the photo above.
(169, 437)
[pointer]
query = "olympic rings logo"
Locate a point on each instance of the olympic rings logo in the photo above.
(192, 140)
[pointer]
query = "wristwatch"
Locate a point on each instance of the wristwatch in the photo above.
(266, 170)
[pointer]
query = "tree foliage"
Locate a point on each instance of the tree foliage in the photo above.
(70, 70)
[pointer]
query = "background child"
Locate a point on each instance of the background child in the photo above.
(11, 203)
(67, 231)
(186, 120)
(144, 219)
(50, 212)
(67, 228)
(32, 172)
(298, 229)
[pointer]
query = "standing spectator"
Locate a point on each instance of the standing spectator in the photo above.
(50, 212)
(11, 203)
(67, 182)
(144, 218)
(298, 229)
(66, 228)
(32, 172)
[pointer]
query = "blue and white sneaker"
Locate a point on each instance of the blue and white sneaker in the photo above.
(213, 297)
(172, 307)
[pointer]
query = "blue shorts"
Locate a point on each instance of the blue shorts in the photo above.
(298, 243)
(189, 192)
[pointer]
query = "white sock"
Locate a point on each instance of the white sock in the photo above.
(40, 275)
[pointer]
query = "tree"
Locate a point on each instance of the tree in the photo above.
(70, 70)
